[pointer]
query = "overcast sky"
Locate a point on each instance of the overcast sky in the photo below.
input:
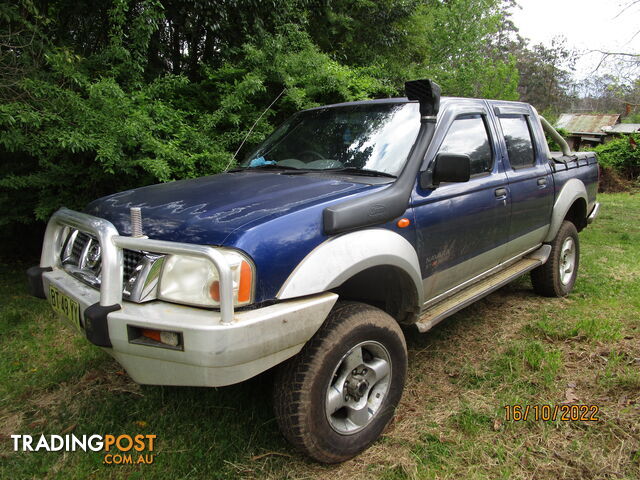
(586, 24)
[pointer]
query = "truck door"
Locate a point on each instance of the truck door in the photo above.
(530, 180)
(461, 226)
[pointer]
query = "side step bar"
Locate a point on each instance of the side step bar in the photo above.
(441, 310)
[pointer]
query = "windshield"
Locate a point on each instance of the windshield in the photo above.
(373, 137)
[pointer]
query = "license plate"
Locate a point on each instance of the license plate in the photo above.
(65, 306)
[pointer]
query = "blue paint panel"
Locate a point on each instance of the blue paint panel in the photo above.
(275, 218)
(532, 203)
(531, 188)
(456, 222)
(588, 175)
(206, 210)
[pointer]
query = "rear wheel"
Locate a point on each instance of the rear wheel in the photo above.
(334, 398)
(557, 276)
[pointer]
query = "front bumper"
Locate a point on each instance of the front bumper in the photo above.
(216, 347)
(214, 353)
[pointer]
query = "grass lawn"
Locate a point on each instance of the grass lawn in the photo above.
(512, 348)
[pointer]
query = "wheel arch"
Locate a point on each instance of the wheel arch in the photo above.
(362, 266)
(577, 214)
(386, 287)
(571, 205)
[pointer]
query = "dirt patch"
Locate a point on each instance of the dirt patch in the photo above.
(10, 424)
(63, 397)
(110, 379)
(611, 181)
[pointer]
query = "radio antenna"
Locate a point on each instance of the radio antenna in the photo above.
(252, 127)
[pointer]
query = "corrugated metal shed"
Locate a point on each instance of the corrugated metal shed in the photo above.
(586, 123)
(624, 128)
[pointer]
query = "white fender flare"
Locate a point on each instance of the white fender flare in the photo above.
(571, 191)
(336, 260)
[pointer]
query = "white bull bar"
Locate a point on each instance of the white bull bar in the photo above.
(112, 245)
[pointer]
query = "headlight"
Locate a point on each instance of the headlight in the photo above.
(195, 280)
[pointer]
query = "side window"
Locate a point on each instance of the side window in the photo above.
(517, 136)
(468, 135)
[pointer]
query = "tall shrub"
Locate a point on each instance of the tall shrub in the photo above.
(621, 155)
(75, 138)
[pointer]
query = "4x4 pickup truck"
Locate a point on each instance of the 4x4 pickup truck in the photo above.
(346, 223)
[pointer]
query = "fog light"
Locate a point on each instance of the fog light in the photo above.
(155, 338)
(152, 334)
(169, 338)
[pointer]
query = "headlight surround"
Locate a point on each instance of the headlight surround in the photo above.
(192, 280)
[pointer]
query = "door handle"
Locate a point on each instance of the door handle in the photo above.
(542, 182)
(501, 192)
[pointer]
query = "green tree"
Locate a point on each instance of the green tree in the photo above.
(100, 97)
(545, 74)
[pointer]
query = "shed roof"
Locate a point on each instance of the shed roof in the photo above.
(624, 128)
(586, 123)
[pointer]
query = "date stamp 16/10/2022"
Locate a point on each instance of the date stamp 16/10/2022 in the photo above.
(546, 413)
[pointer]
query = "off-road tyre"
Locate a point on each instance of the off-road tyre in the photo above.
(547, 279)
(302, 383)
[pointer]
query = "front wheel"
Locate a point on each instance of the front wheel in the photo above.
(334, 398)
(557, 276)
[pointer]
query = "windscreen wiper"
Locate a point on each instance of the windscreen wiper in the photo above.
(361, 171)
(269, 166)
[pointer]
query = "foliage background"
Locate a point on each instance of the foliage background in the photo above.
(621, 156)
(100, 97)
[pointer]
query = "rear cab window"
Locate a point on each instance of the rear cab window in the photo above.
(519, 141)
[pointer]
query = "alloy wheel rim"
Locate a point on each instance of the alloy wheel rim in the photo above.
(567, 260)
(358, 387)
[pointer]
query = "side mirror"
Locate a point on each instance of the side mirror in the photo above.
(447, 167)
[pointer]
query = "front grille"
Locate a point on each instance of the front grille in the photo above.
(76, 249)
(131, 260)
(81, 257)
(82, 253)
